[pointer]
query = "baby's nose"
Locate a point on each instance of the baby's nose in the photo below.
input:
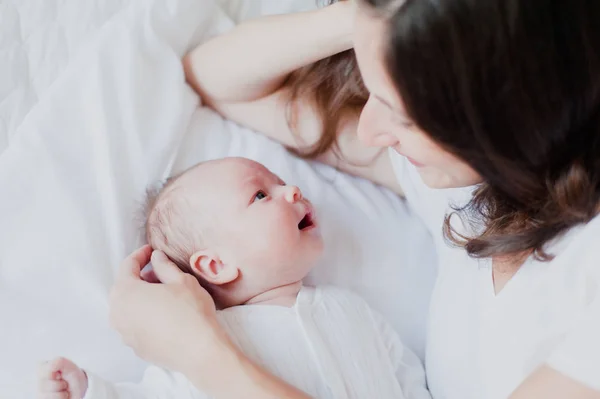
(292, 194)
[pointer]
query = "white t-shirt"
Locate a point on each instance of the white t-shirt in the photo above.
(330, 345)
(481, 345)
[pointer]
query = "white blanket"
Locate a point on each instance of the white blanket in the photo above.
(76, 167)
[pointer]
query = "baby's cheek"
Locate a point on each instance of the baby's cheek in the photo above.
(281, 243)
(270, 243)
(274, 232)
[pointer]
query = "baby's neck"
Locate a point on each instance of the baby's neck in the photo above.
(284, 295)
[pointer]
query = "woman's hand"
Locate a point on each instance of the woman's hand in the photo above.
(160, 321)
(254, 59)
(174, 324)
(549, 383)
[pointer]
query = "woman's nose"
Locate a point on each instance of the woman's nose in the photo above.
(292, 194)
(374, 125)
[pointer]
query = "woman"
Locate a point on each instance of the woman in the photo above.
(491, 111)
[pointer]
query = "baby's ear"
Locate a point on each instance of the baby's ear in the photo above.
(208, 265)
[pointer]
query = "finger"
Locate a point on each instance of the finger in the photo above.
(61, 364)
(135, 262)
(148, 275)
(53, 386)
(164, 269)
(49, 370)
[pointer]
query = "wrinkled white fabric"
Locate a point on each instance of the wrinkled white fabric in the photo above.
(330, 344)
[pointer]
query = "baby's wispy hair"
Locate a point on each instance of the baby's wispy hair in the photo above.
(166, 221)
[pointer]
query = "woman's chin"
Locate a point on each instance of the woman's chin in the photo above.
(438, 179)
(434, 178)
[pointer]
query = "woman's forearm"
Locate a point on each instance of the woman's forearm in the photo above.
(253, 60)
(230, 375)
(548, 383)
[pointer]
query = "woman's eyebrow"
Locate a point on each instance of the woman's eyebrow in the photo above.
(396, 111)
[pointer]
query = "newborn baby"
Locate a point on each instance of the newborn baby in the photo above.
(250, 239)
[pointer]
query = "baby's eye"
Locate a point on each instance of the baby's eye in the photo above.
(259, 195)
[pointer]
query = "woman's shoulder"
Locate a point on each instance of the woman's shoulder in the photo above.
(579, 248)
(574, 275)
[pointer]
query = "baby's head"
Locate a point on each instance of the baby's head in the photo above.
(236, 226)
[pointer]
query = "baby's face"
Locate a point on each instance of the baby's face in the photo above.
(255, 221)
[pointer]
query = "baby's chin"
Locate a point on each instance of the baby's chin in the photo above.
(301, 261)
(310, 256)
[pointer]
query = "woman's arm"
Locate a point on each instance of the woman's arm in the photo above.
(233, 376)
(548, 383)
(241, 75)
(173, 324)
(254, 59)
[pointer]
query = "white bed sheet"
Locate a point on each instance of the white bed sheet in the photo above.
(240, 10)
(116, 117)
(37, 40)
(39, 37)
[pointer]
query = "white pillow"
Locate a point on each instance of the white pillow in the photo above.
(240, 10)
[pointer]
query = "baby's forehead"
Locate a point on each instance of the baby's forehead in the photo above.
(240, 168)
(252, 168)
(226, 173)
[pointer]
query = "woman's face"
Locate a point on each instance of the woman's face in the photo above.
(383, 121)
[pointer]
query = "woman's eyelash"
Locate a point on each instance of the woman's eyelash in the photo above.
(404, 123)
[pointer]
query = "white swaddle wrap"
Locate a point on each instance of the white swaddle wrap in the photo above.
(330, 345)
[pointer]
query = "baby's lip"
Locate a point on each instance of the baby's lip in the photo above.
(308, 221)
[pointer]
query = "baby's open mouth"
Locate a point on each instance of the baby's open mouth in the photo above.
(306, 222)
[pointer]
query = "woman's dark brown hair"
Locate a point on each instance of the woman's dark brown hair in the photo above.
(513, 88)
(334, 88)
(510, 86)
